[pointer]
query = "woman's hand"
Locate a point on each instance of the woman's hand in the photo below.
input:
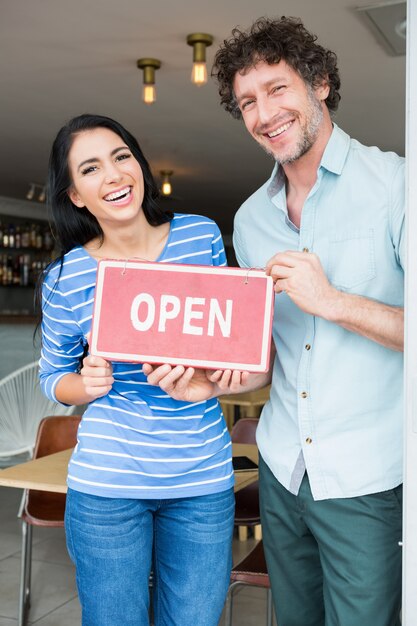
(97, 376)
(194, 385)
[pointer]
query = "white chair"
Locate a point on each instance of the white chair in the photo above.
(22, 406)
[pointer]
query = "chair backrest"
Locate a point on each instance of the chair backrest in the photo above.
(244, 431)
(55, 433)
(22, 406)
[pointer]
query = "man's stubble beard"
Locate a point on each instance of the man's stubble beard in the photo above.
(309, 132)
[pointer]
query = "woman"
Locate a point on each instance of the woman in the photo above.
(150, 482)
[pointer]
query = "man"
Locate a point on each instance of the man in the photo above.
(329, 228)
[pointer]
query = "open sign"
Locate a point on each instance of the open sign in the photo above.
(203, 316)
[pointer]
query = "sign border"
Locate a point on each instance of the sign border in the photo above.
(246, 273)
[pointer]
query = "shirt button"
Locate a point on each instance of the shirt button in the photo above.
(309, 440)
(306, 250)
(307, 346)
(304, 394)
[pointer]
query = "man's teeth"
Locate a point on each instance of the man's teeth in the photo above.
(280, 130)
(117, 195)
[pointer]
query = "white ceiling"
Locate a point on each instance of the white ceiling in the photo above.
(61, 58)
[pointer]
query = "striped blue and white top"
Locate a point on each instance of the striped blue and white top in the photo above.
(135, 442)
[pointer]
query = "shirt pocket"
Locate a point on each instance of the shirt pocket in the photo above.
(351, 258)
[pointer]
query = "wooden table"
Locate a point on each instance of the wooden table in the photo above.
(49, 473)
(247, 404)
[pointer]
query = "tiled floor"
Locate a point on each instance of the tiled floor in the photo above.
(54, 595)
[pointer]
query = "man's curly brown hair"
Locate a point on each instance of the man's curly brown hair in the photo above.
(272, 41)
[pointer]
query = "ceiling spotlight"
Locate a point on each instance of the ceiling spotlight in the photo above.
(166, 188)
(148, 66)
(401, 29)
(199, 41)
(388, 22)
(42, 195)
(30, 194)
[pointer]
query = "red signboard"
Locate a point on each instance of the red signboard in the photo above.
(210, 317)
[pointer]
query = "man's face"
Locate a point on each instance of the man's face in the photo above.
(281, 112)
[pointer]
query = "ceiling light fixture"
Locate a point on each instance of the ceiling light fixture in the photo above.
(166, 188)
(42, 195)
(31, 192)
(148, 66)
(401, 29)
(388, 21)
(199, 41)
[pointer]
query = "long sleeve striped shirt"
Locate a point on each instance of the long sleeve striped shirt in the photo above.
(135, 442)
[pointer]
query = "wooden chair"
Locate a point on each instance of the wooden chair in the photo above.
(43, 508)
(247, 499)
(251, 571)
(240, 405)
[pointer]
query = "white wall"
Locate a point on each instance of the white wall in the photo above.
(410, 481)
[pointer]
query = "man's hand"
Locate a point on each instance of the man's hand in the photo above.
(194, 385)
(301, 276)
(229, 381)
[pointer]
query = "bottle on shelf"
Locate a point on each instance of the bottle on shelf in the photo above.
(39, 238)
(12, 240)
(16, 271)
(9, 270)
(32, 236)
(5, 241)
(25, 236)
(18, 238)
(5, 271)
(24, 270)
(48, 242)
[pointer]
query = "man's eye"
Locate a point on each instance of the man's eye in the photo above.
(278, 88)
(246, 104)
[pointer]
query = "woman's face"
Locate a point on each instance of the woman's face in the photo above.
(106, 177)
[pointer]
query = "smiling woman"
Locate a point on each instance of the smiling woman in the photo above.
(111, 178)
(145, 465)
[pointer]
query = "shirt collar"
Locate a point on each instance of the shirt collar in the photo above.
(333, 160)
(336, 151)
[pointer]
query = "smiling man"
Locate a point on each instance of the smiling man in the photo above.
(328, 227)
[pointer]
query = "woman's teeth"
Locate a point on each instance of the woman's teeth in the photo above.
(117, 195)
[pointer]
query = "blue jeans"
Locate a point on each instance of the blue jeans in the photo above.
(115, 543)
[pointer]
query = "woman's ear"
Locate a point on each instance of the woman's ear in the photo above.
(75, 198)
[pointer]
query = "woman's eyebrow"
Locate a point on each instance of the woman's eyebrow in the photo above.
(95, 159)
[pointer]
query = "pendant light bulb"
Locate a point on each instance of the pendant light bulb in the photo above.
(148, 66)
(42, 195)
(199, 74)
(199, 42)
(30, 194)
(149, 94)
(166, 187)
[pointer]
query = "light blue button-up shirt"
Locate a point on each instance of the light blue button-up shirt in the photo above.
(336, 405)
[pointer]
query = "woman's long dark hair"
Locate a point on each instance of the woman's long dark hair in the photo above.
(72, 226)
